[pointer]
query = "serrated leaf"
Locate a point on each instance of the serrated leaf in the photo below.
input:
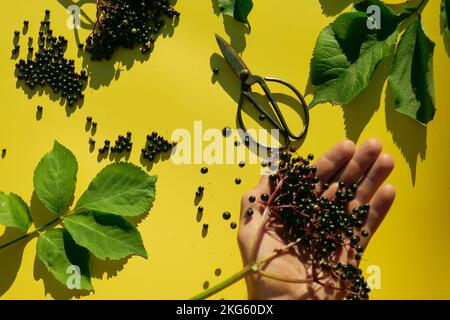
(55, 178)
(106, 236)
(388, 19)
(238, 9)
(445, 14)
(242, 9)
(14, 212)
(122, 189)
(348, 51)
(226, 7)
(61, 255)
(334, 77)
(350, 31)
(411, 76)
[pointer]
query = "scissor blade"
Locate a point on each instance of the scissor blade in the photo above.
(231, 56)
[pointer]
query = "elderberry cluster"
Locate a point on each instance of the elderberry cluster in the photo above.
(50, 67)
(320, 226)
(155, 145)
(121, 145)
(122, 23)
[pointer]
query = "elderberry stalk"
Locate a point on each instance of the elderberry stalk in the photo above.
(327, 232)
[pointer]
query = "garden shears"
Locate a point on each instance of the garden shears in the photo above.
(248, 80)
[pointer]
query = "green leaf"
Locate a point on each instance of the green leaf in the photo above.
(57, 250)
(347, 52)
(106, 236)
(226, 7)
(242, 9)
(445, 14)
(14, 212)
(122, 189)
(350, 31)
(388, 19)
(55, 178)
(411, 76)
(335, 77)
(238, 9)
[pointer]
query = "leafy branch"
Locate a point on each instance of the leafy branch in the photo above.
(347, 53)
(96, 225)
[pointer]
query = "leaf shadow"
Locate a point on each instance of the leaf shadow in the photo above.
(102, 73)
(10, 258)
(332, 8)
(52, 286)
(358, 113)
(106, 268)
(445, 35)
(39, 213)
(408, 135)
(234, 29)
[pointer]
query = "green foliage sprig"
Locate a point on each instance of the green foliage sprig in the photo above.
(96, 225)
(347, 54)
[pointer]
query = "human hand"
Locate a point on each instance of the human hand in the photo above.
(343, 162)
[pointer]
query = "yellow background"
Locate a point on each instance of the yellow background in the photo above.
(174, 88)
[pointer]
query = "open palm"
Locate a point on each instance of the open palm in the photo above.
(284, 276)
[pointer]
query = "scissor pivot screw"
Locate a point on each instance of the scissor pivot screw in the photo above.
(244, 74)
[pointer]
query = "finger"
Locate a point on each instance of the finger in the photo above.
(362, 160)
(333, 160)
(379, 207)
(376, 176)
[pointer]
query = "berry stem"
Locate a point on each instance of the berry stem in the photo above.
(420, 6)
(42, 228)
(224, 284)
(242, 273)
(260, 232)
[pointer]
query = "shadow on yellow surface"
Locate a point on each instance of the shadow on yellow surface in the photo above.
(98, 270)
(409, 136)
(102, 73)
(10, 258)
(333, 7)
(234, 29)
(358, 113)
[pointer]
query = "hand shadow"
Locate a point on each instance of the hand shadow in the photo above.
(358, 113)
(102, 73)
(408, 135)
(234, 29)
(10, 258)
(232, 85)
